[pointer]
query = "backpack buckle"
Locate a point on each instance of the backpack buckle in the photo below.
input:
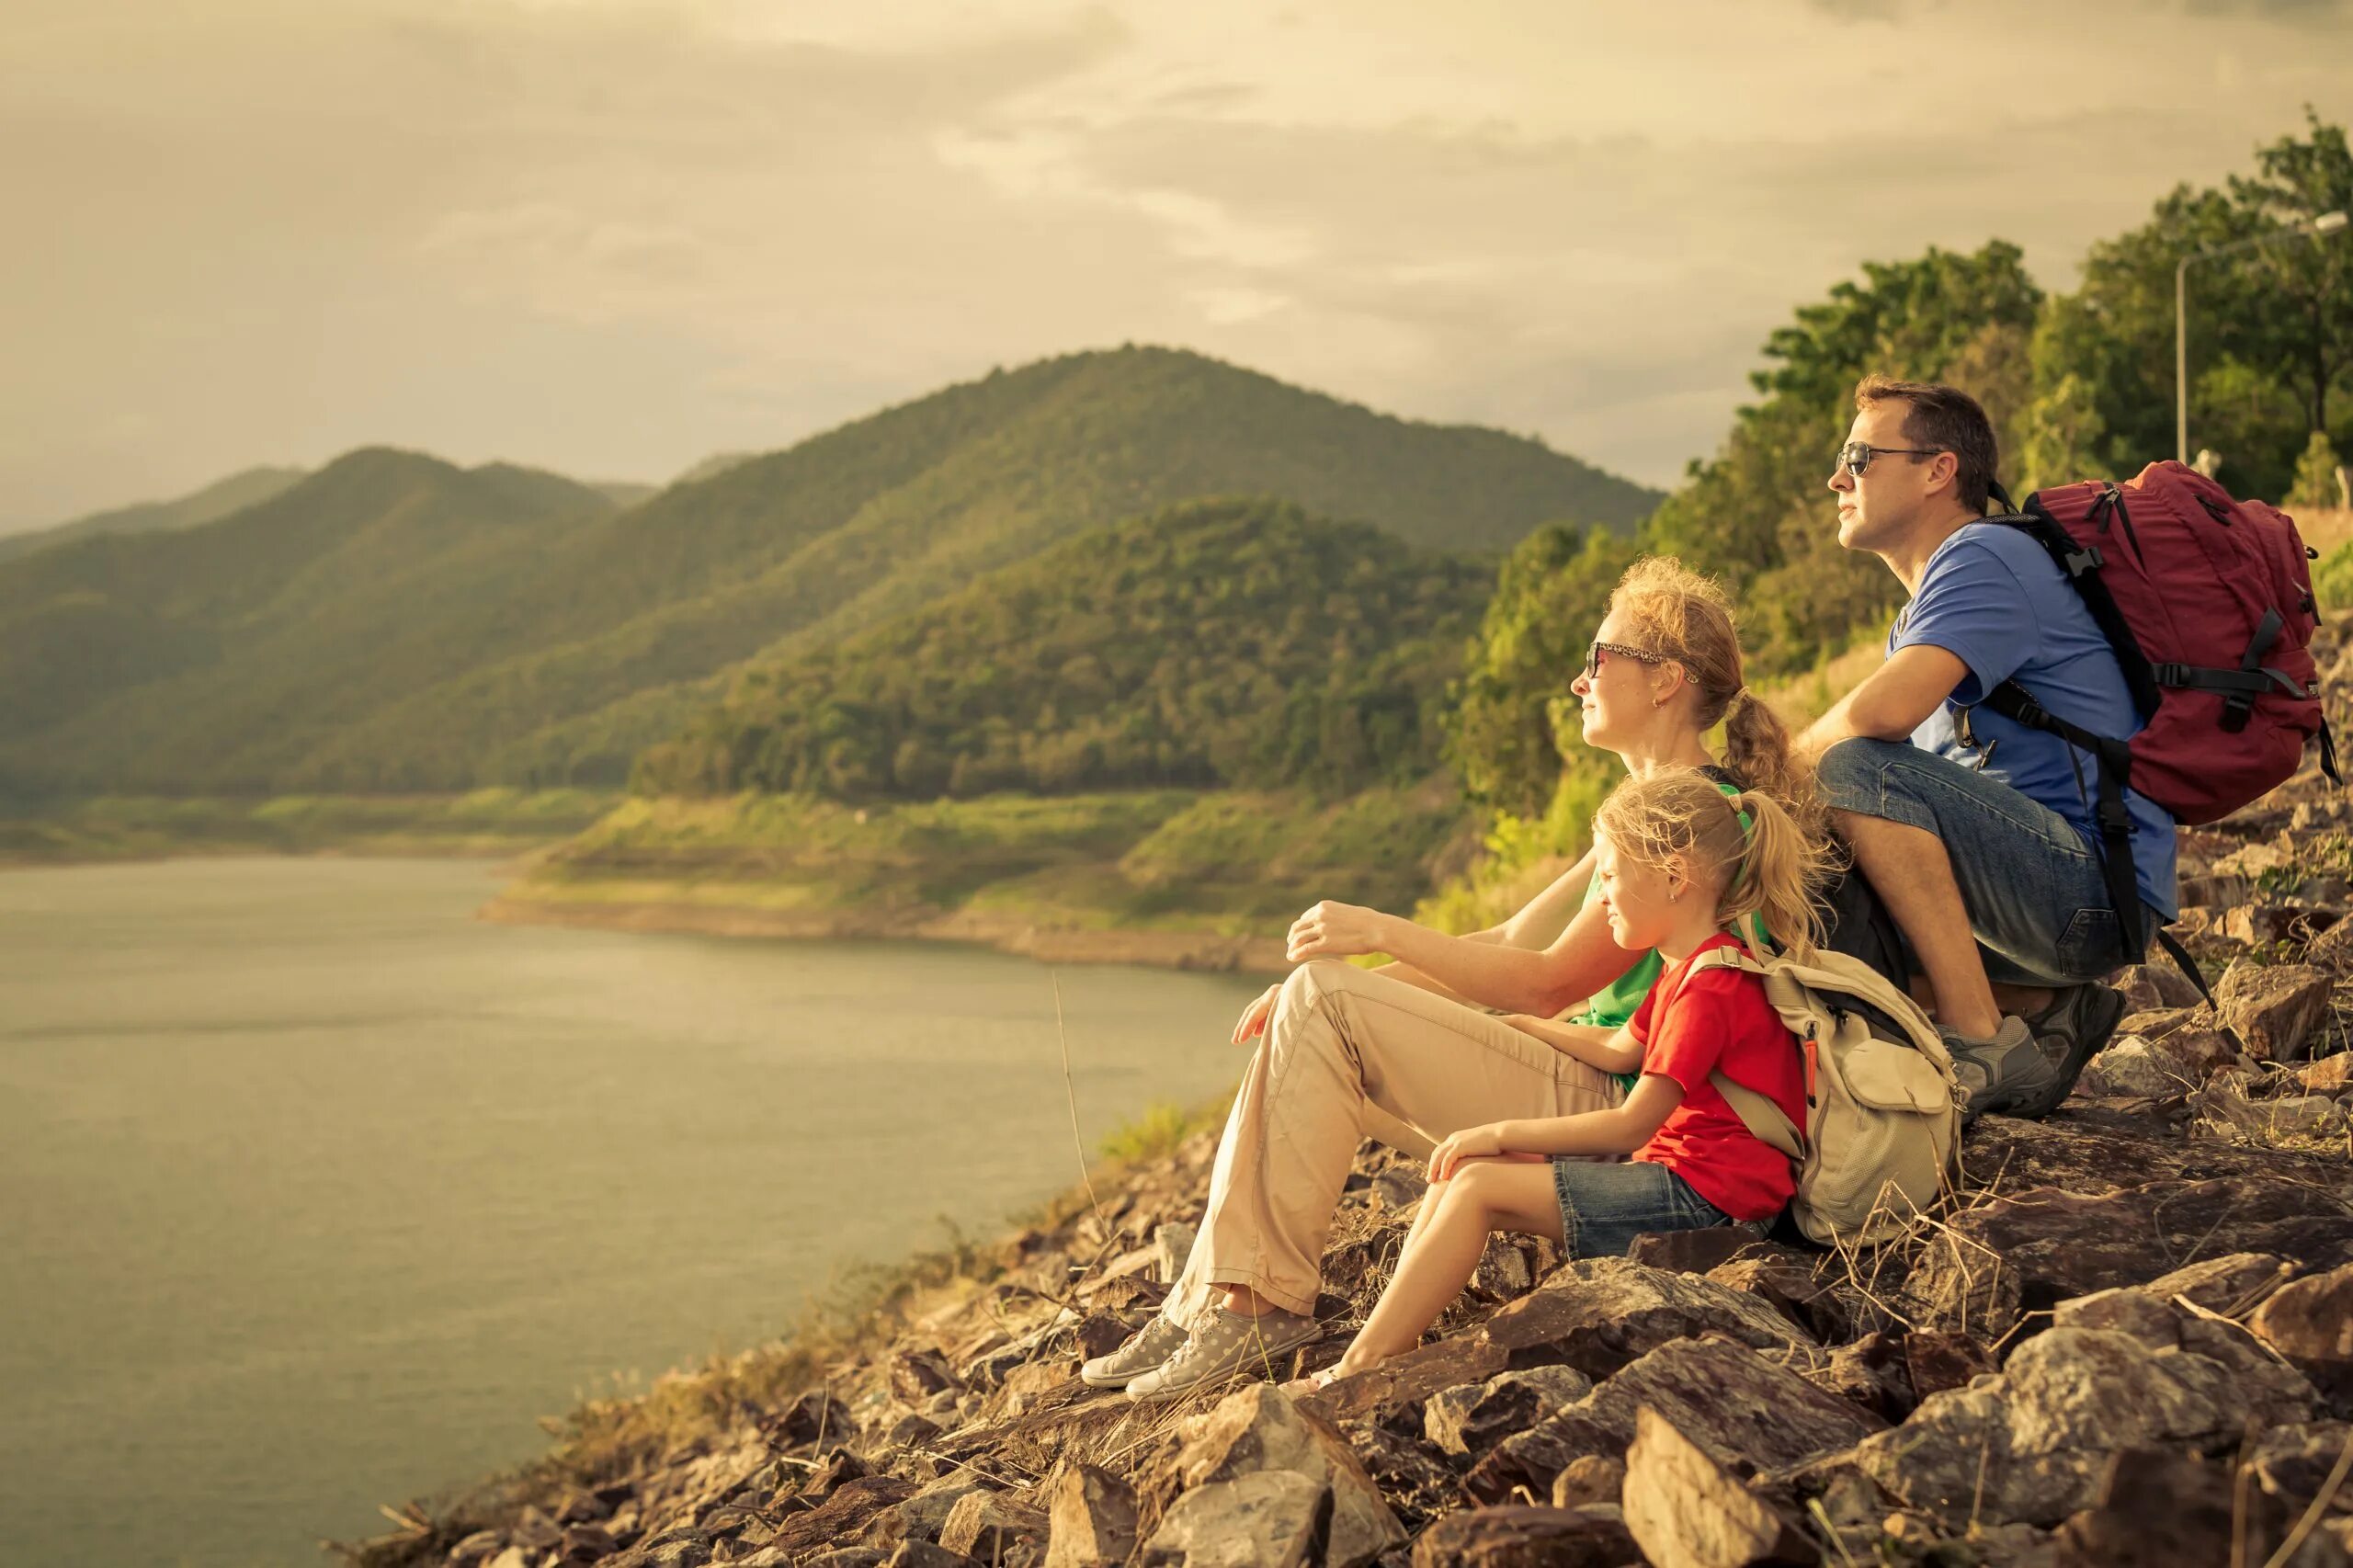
(2086, 558)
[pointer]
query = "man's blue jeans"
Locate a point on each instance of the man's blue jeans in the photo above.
(2036, 899)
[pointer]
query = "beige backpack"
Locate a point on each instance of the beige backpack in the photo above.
(1883, 1108)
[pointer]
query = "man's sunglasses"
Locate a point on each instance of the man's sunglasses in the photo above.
(1856, 456)
(1593, 656)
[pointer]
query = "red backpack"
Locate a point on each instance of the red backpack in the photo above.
(2208, 602)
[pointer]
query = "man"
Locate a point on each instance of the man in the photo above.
(1977, 832)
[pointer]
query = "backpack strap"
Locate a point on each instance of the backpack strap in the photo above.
(2110, 814)
(1766, 1121)
(2080, 565)
(1769, 1123)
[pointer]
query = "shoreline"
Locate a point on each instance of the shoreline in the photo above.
(1198, 952)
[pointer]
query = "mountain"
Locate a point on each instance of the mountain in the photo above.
(215, 500)
(1236, 643)
(556, 645)
(215, 657)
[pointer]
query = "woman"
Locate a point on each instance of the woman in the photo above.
(1407, 1054)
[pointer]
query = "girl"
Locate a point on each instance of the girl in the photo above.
(1411, 1053)
(1679, 873)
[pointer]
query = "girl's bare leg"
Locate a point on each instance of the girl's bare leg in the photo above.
(1442, 1251)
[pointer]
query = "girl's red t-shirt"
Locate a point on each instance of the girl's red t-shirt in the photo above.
(1719, 1020)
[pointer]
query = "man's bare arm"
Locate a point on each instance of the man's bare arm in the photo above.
(1892, 701)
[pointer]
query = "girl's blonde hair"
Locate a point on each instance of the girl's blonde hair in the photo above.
(1772, 869)
(1668, 611)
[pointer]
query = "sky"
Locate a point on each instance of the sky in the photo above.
(611, 237)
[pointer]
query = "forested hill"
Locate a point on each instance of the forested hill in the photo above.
(550, 641)
(1225, 642)
(217, 499)
(219, 654)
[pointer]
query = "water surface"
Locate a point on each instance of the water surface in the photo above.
(315, 1192)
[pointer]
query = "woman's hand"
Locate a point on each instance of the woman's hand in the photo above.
(1470, 1144)
(1254, 1017)
(1333, 930)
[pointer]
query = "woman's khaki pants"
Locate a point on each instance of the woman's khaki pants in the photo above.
(1349, 1052)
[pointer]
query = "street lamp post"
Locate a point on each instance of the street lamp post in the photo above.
(2326, 223)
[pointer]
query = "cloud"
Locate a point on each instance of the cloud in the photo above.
(610, 236)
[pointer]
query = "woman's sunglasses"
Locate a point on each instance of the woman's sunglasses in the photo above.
(1594, 652)
(1856, 456)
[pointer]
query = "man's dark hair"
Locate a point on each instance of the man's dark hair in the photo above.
(1945, 419)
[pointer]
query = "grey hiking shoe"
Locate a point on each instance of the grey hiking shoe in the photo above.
(2002, 1072)
(2071, 1031)
(1230, 1347)
(1151, 1344)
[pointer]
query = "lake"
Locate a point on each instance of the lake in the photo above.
(315, 1192)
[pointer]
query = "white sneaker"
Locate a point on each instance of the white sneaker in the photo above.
(1230, 1347)
(1146, 1350)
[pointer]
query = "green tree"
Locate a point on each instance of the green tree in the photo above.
(2060, 437)
(2316, 487)
(1761, 503)
(1549, 597)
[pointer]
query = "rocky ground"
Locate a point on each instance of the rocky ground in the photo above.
(2127, 1340)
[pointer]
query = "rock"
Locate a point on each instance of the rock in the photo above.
(2146, 988)
(1516, 1536)
(2260, 1388)
(2162, 1508)
(1171, 1243)
(2191, 1038)
(479, 1547)
(922, 1514)
(928, 1554)
(1394, 1190)
(2132, 1065)
(2094, 1159)
(1469, 1417)
(2293, 1463)
(1745, 1407)
(2329, 1076)
(2153, 1509)
(2063, 1245)
(815, 1416)
(1794, 1285)
(1952, 1461)
(1871, 1372)
(1262, 1429)
(2072, 1390)
(991, 1526)
(910, 1431)
(1265, 1520)
(1091, 1517)
(1693, 1251)
(2310, 1321)
(1936, 1362)
(2263, 925)
(2274, 1007)
(916, 1375)
(1594, 1314)
(2225, 1109)
(1961, 1284)
(585, 1543)
(2028, 1445)
(1415, 1480)
(842, 1516)
(1591, 1478)
(2232, 1286)
(1683, 1507)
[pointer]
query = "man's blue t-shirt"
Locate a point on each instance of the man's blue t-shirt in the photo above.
(1992, 598)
